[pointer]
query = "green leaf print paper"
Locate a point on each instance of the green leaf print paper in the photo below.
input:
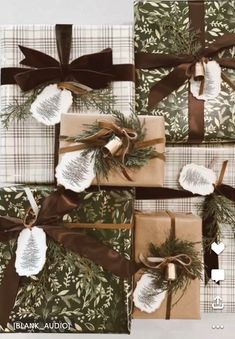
(163, 27)
(72, 294)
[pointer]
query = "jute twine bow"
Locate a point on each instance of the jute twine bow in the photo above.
(158, 263)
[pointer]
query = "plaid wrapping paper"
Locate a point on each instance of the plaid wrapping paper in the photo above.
(27, 148)
(176, 158)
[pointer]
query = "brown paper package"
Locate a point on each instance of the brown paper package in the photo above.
(155, 228)
(151, 175)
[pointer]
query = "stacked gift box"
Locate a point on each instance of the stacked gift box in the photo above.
(84, 166)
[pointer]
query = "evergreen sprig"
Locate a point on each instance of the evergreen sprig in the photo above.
(135, 158)
(216, 210)
(172, 247)
(101, 100)
(18, 110)
(184, 39)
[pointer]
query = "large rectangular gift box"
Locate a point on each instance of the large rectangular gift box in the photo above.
(176, 158)
(170, 37)
(72, 293)
(27, 147)
(155, 228)
(151, 174)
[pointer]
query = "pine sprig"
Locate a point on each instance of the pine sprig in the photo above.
(184, 39)
(216, 210)
(135, 158)
(101, 100)
(173, 247)
(18, 110)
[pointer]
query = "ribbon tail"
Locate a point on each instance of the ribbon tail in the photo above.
(33, 78)
(8, 292)
(228, 81)
(56, 205)
(8, 74)
(92, 249)
(167, 85)
(37, 59)
(227, 191)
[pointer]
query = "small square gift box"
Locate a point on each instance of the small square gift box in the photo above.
(167, 247)
(111, 150)
(50, 69)
(65, 260)
(185, 61)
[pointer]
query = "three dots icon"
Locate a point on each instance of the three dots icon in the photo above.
(217, 327)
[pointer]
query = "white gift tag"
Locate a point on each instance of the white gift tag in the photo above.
(31, 251)
(146, 296)
(76, 171)
(50, 104)
(197, 179)
(212, 84)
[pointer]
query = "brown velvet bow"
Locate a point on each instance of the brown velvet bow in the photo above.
(93, 70)
(53, 208)
(184, 67)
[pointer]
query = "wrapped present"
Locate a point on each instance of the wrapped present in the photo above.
(85, 282)
(168, 245)
(88, 67)
(175, 47)
(123, 156)
(208, 155)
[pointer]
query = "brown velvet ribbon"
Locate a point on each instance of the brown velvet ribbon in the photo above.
(53, 208)
(94, 70)
(183, 68)
(107, 129)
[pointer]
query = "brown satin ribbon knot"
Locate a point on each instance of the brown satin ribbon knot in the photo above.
(107, 130)
(52, 210)
(94, 70)
(183, 66)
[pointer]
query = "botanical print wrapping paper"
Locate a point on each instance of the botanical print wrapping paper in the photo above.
(152, 34)
(71, 293)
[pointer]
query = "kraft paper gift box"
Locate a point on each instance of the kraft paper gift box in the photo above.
(155, 228)
(72, 293)
(151, 174)
(163, 27)
(27, 147)
(178, 156)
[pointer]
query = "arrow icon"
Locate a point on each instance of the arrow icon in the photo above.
(217, 304)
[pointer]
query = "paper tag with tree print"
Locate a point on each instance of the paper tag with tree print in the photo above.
(206, 84)
(76, 170)
(50, 104)
(146, 296)
(197, 179)
(31, 251)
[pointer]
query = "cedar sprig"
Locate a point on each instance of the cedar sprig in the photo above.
(184, 39)
(135, 158)
(172, 247)
(101, 100)
(18, 110)
(216, 210)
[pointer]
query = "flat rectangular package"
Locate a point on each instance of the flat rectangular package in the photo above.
(151, 174)
(27, 147)
(73, 294)
(154, 228)
(170, 32)
(178, 156)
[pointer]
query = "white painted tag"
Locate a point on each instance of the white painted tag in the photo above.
(76, 171)
(31, 251)
(50, 104)
(146, 296)
(212, 84)
(197, 179)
